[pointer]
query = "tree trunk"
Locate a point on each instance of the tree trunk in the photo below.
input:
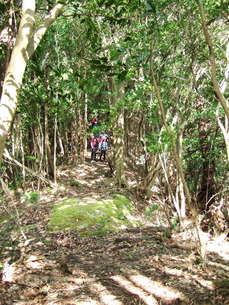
(174, 149)
(118, 133)
(48, 152)
(85, 124)
(202, 245)
(15, 71)
(7, 34)
(180, 187)
(54, 149)
(26, 43)
(151, 176)
(218, 91)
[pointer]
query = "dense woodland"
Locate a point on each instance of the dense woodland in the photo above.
(154, 73)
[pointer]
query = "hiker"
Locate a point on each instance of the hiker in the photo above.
(93, 145)
(104, 148)
(105, 136)
(94, 121)
(100, 140)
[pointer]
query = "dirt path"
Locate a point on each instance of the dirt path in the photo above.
(135, 266)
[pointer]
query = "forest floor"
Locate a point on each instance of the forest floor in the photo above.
(133, 266)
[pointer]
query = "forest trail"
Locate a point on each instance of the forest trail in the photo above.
(134, 266)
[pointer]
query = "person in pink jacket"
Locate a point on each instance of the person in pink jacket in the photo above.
(94, 146)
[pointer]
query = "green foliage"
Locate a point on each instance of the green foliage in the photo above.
(100, 40)
(30, 198)
(158, 142)
(174, 224)
(31, 158)
(167, 234)
(16, 182)
(75, 183)
(152, 208)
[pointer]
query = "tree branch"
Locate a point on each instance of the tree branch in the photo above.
(218, 92)
(31, 172)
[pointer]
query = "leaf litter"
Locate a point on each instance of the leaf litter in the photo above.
(132, 266)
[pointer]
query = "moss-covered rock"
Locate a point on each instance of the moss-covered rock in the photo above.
(92, 215)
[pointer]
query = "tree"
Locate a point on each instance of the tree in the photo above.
(26, 43)
(217, 88)
(108, 73)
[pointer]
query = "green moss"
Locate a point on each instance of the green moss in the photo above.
(93, 216)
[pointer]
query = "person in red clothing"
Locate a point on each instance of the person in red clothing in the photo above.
(94, 146)
(94, 121)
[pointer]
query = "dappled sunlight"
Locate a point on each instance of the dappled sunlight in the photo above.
(222, 249)
(132, 288)
(131, 267)
(99, 294)
(158, 289)
(218, 265)
(85, 173)
(189, 277)
(107, 271)
(106, 297)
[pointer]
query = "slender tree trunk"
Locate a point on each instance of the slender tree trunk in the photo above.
(218, 91)
(29, 170)
(78, 135)
(23, 159)
(48, 152)
(126, 133)
(202, 244)
(224, 129)
(118, 133)
(180, 186)
(119, 149)
(75, 135)
(151, 176)
(54, 149)
(85, 123)
(40, 141)
(174, 149)
(61, 146)
(172, 198)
